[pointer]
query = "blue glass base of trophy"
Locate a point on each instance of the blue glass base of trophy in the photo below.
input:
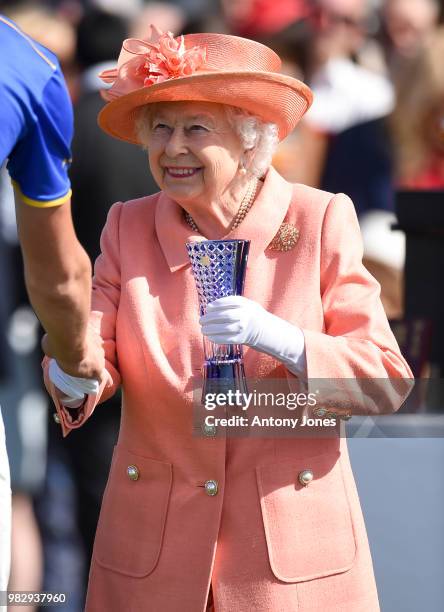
(225, 378)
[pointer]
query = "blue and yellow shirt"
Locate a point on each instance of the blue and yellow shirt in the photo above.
(36, 119)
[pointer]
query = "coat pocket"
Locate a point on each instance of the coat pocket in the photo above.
(134, 509)
(308, 528)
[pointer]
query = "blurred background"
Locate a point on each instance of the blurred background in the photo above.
(375, 132)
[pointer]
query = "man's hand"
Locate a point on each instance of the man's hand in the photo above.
(86, 363)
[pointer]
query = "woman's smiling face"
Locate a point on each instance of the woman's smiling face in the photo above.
(193, 151)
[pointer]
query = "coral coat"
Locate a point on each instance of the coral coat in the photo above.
(264, 542)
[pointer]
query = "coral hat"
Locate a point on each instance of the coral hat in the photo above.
(202, 68)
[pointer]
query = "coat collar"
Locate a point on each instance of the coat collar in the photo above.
(260, 225)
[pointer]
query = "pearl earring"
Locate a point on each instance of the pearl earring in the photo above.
(243, 171)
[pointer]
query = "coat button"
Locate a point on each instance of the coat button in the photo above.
(320, 412)
(211, 487)
(305, 477)
(209, 430)
(56, 418)
(133, 472)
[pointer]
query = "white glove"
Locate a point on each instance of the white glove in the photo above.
(73, 387)
(238, 320)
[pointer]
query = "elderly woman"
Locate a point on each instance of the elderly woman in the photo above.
(193, 522)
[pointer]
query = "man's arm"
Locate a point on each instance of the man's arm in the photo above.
(58, 279)
(57, 269)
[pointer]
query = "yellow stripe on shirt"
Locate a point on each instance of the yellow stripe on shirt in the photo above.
(41, 203)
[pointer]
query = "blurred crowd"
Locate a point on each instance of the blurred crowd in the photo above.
(376, 126)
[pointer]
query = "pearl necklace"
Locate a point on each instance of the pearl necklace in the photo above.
(246, 204)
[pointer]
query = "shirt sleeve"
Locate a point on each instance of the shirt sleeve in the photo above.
(38, 164)
(12, 121)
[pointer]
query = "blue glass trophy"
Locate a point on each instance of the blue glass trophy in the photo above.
(219, 268)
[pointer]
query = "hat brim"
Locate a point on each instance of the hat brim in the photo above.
(273, 97)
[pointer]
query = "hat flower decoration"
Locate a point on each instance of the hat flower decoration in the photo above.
(151, 63)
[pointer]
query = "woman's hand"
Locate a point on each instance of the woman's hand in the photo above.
(238, 320)
(233, 320)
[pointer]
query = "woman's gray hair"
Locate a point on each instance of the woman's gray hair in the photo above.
(259, 138)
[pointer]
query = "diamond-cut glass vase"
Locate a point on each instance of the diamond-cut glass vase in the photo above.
(219, 268)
